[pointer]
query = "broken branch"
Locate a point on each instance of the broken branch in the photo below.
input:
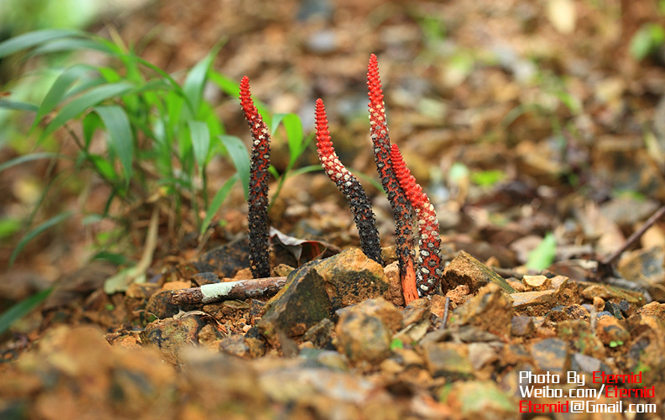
(216, 292)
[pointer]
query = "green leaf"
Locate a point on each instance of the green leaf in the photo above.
(232, 88)
(57, 91)
(104, 168)
(91, 123)
(32, 39)
(571, 102)
(85, 101)
(217, 201)
(305, 169)
(196, 79)
(85, 85)
(69, 44)
(27, 158)
(369, 179)
(274, 124)
(113, 258)
(294, 135)
(645, 40)
(396, 344)
(273, 172)
(227, 85)
(458, 173)
(487, 178)
(21, 309)
(543, 256)
(240, 157)
(8, 227)
(38, 230)
(120, 135)
(17, 106)
(200, 135)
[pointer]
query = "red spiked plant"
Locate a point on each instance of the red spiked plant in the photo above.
(349, 186)
(404, 194)
(428, 271)
(258, 185)
(398, 200)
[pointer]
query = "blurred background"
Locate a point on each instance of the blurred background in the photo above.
(518, 117)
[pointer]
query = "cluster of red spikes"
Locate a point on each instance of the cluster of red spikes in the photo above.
(429, 272)
(349, 186)
(403, 197)
(404, 194)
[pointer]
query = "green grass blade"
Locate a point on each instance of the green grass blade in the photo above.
(32, 39)
(217, 201)
(21, 309)
(543, 256)
(196, 79)
(69, 44)
(120, 135)
(305, 169)
(274, 124)
(227, 85)
(28, 158)
(57, 91)
(85, 101)
(17, 106)
(9, 227)
(294, 135)
(369, 179)
(90, 124)
(85, 85)
(240, 157)
(200, 135)
(36, 232)
(232, 88)
(103, 168)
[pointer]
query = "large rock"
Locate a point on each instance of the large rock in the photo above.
(450, 360)
(537, 303)
(363, 332)
(465, 269)
(480, 400)
(490, 310)
(171, 335)
(298, 306)
(351, 277)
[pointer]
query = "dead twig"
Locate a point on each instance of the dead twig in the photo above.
(217, 292)
(446, 309)
(609, 260)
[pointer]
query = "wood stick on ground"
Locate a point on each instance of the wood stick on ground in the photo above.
(217, 292)
(634, 237)
(446, 306)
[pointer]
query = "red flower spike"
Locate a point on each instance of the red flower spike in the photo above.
(428, 271)
(258, 186)
(349, 186)
(398, 201)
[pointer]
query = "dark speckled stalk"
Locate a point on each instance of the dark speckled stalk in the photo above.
(428, 269)
(398, 201)
(349, 186)
(258, 185)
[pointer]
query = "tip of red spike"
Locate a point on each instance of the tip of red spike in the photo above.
(246, 100)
